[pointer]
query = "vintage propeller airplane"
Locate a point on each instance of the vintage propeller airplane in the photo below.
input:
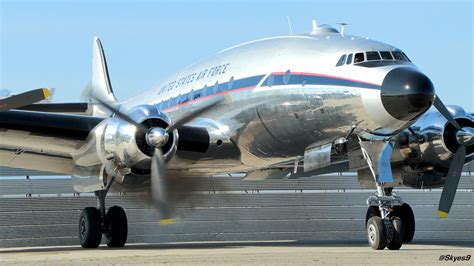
(322, 101)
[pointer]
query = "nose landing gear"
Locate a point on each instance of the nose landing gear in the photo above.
(384, 228)
(389, 221)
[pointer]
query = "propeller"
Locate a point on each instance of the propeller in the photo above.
(158, 137)
(464, 137)
(24, 99)
(439, 105)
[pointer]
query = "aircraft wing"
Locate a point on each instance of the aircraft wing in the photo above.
(42, 141)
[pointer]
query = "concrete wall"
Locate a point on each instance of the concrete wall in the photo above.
(226, 208)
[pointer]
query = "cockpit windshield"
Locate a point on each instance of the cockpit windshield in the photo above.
(373, 56)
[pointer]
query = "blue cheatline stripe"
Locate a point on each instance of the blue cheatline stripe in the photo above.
(314, 79)
(278, 79)
(209, 91)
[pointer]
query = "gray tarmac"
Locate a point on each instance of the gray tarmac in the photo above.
(245, 253)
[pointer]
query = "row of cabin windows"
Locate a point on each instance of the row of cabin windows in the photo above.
(372, 56)
(193, 95)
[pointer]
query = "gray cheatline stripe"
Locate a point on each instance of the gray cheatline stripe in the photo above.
(231, 192)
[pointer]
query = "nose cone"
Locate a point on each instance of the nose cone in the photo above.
(407, 93)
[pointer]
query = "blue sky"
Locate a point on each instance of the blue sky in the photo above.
(49, 43)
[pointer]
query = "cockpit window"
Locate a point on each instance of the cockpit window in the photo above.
(341, 61)
(386, 55)
(398, 55)
(381, 58)
(406, 57)
(349, 59)
(371, 56)
(359, 57)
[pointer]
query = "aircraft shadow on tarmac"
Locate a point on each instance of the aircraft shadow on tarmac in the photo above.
(214, 245)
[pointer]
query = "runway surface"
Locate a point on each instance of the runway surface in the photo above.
(262, 252)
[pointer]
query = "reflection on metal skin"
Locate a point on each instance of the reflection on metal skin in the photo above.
(157, 137)
(465, 136)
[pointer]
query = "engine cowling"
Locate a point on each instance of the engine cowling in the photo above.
(428, 155)
(129, 146)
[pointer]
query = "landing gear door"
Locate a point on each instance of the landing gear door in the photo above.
(317, 156)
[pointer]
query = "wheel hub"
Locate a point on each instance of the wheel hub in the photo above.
(372, 234)
(83, 228)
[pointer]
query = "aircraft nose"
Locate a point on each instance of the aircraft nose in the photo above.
(407, 93)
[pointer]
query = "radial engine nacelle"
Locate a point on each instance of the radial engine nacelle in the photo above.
(132, 147)
(428, 153)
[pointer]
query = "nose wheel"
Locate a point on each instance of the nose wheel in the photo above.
(389, 221)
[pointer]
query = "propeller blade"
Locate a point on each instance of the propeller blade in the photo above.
(439, 105)
(452, 181)
(159, 190)
(123, 116)
(191, 116)
(24, 99)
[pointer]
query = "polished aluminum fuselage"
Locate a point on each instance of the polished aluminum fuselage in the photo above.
(264, 123)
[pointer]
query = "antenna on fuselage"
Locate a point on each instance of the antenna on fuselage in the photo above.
(343, 25)
(289, 25)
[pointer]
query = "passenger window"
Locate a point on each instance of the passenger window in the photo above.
(183, 98)
(398, 55)
(230, 83)
(349, 59)
(270, 80)
(371, 56)
(341, 60)
(216, 87)
(359, 57)
(286, 77)
(197, 94)
(207, 90)
(386, 55)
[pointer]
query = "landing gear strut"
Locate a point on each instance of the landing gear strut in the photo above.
(389, 221)
(94, 222)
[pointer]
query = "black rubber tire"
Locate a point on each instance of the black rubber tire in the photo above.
(117, 228)
(371, 212)
(90, 228)
(406, 214)
(398, 234)
(376, 234)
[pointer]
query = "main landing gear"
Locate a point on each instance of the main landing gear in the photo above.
(94, 222)
(389, 221)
